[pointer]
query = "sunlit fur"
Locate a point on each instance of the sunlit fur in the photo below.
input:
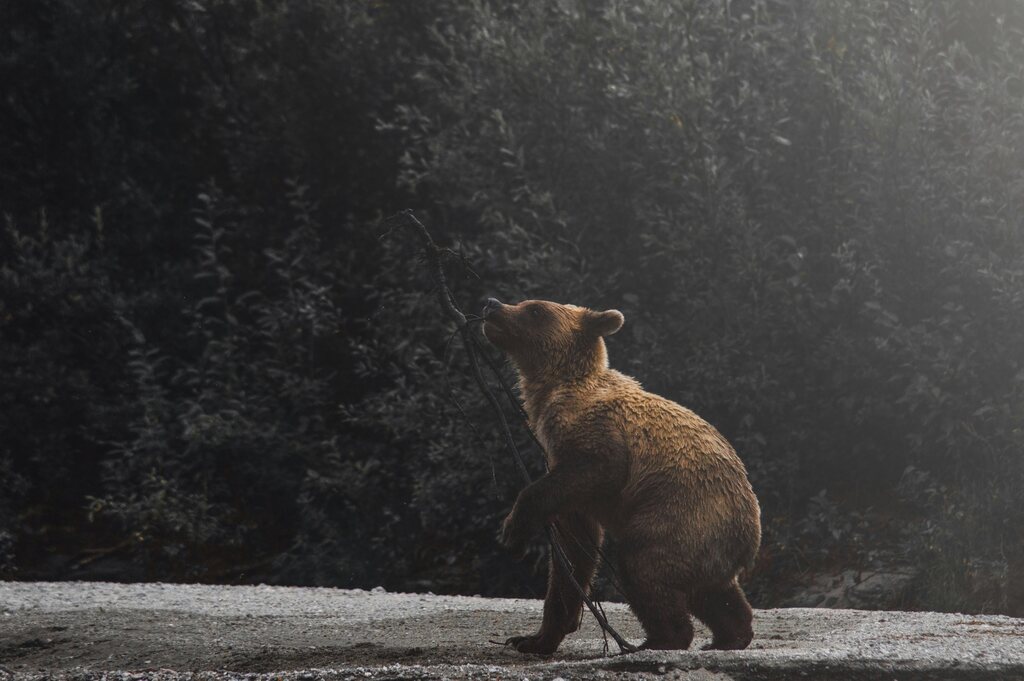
(655, 476)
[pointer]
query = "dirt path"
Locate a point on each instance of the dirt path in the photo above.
(81, 629)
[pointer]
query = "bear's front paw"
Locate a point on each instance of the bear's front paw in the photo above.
(514, 534)
(536, 644)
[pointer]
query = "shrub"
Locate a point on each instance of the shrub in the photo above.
(806, 212)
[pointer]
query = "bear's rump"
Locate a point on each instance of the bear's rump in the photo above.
(696, 535)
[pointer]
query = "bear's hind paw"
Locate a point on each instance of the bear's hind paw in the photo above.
(535, 644)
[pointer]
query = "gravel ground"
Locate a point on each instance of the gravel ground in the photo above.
(87, 630)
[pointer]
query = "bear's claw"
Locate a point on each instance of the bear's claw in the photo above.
(512, 536)
(535, 644)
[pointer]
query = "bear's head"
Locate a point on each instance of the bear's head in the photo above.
(549, 341)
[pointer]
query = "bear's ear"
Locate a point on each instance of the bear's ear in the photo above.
(604, 323)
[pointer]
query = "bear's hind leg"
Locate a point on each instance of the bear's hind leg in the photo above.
(727, 613)
(581, 539)
(659, 605)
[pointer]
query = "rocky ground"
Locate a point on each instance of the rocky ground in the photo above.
(90, 630)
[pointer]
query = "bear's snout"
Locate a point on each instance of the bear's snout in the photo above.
(492, 305)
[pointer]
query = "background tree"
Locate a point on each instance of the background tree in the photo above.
(808, 213)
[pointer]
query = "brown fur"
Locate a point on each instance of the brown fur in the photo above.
(652, 474)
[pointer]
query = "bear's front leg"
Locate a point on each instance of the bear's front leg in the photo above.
(532, 510)
(581, 538)
(563, 490)
(516, 530)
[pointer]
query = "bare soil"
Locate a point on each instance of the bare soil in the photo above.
(93, 629)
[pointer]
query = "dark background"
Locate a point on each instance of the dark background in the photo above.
(211, 368)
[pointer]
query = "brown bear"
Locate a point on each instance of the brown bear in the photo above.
(652, 474)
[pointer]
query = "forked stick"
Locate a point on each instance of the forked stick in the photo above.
(447, 301)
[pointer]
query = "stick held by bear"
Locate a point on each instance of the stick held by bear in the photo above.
(648, 472)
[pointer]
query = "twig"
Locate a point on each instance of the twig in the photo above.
(240, 570)
(447, 301)
(96, 554)
(458, 405)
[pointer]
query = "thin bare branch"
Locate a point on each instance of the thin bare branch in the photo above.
(433, 255)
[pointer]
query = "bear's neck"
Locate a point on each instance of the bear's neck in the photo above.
(580, 373)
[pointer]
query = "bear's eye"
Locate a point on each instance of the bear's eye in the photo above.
(535, 312)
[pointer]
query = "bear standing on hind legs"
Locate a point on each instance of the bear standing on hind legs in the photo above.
(643, 469)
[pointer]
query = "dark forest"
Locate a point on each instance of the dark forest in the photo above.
(214, 369)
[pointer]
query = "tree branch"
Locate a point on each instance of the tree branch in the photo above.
(447, 302)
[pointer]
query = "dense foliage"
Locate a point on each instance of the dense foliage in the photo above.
(809, 213)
